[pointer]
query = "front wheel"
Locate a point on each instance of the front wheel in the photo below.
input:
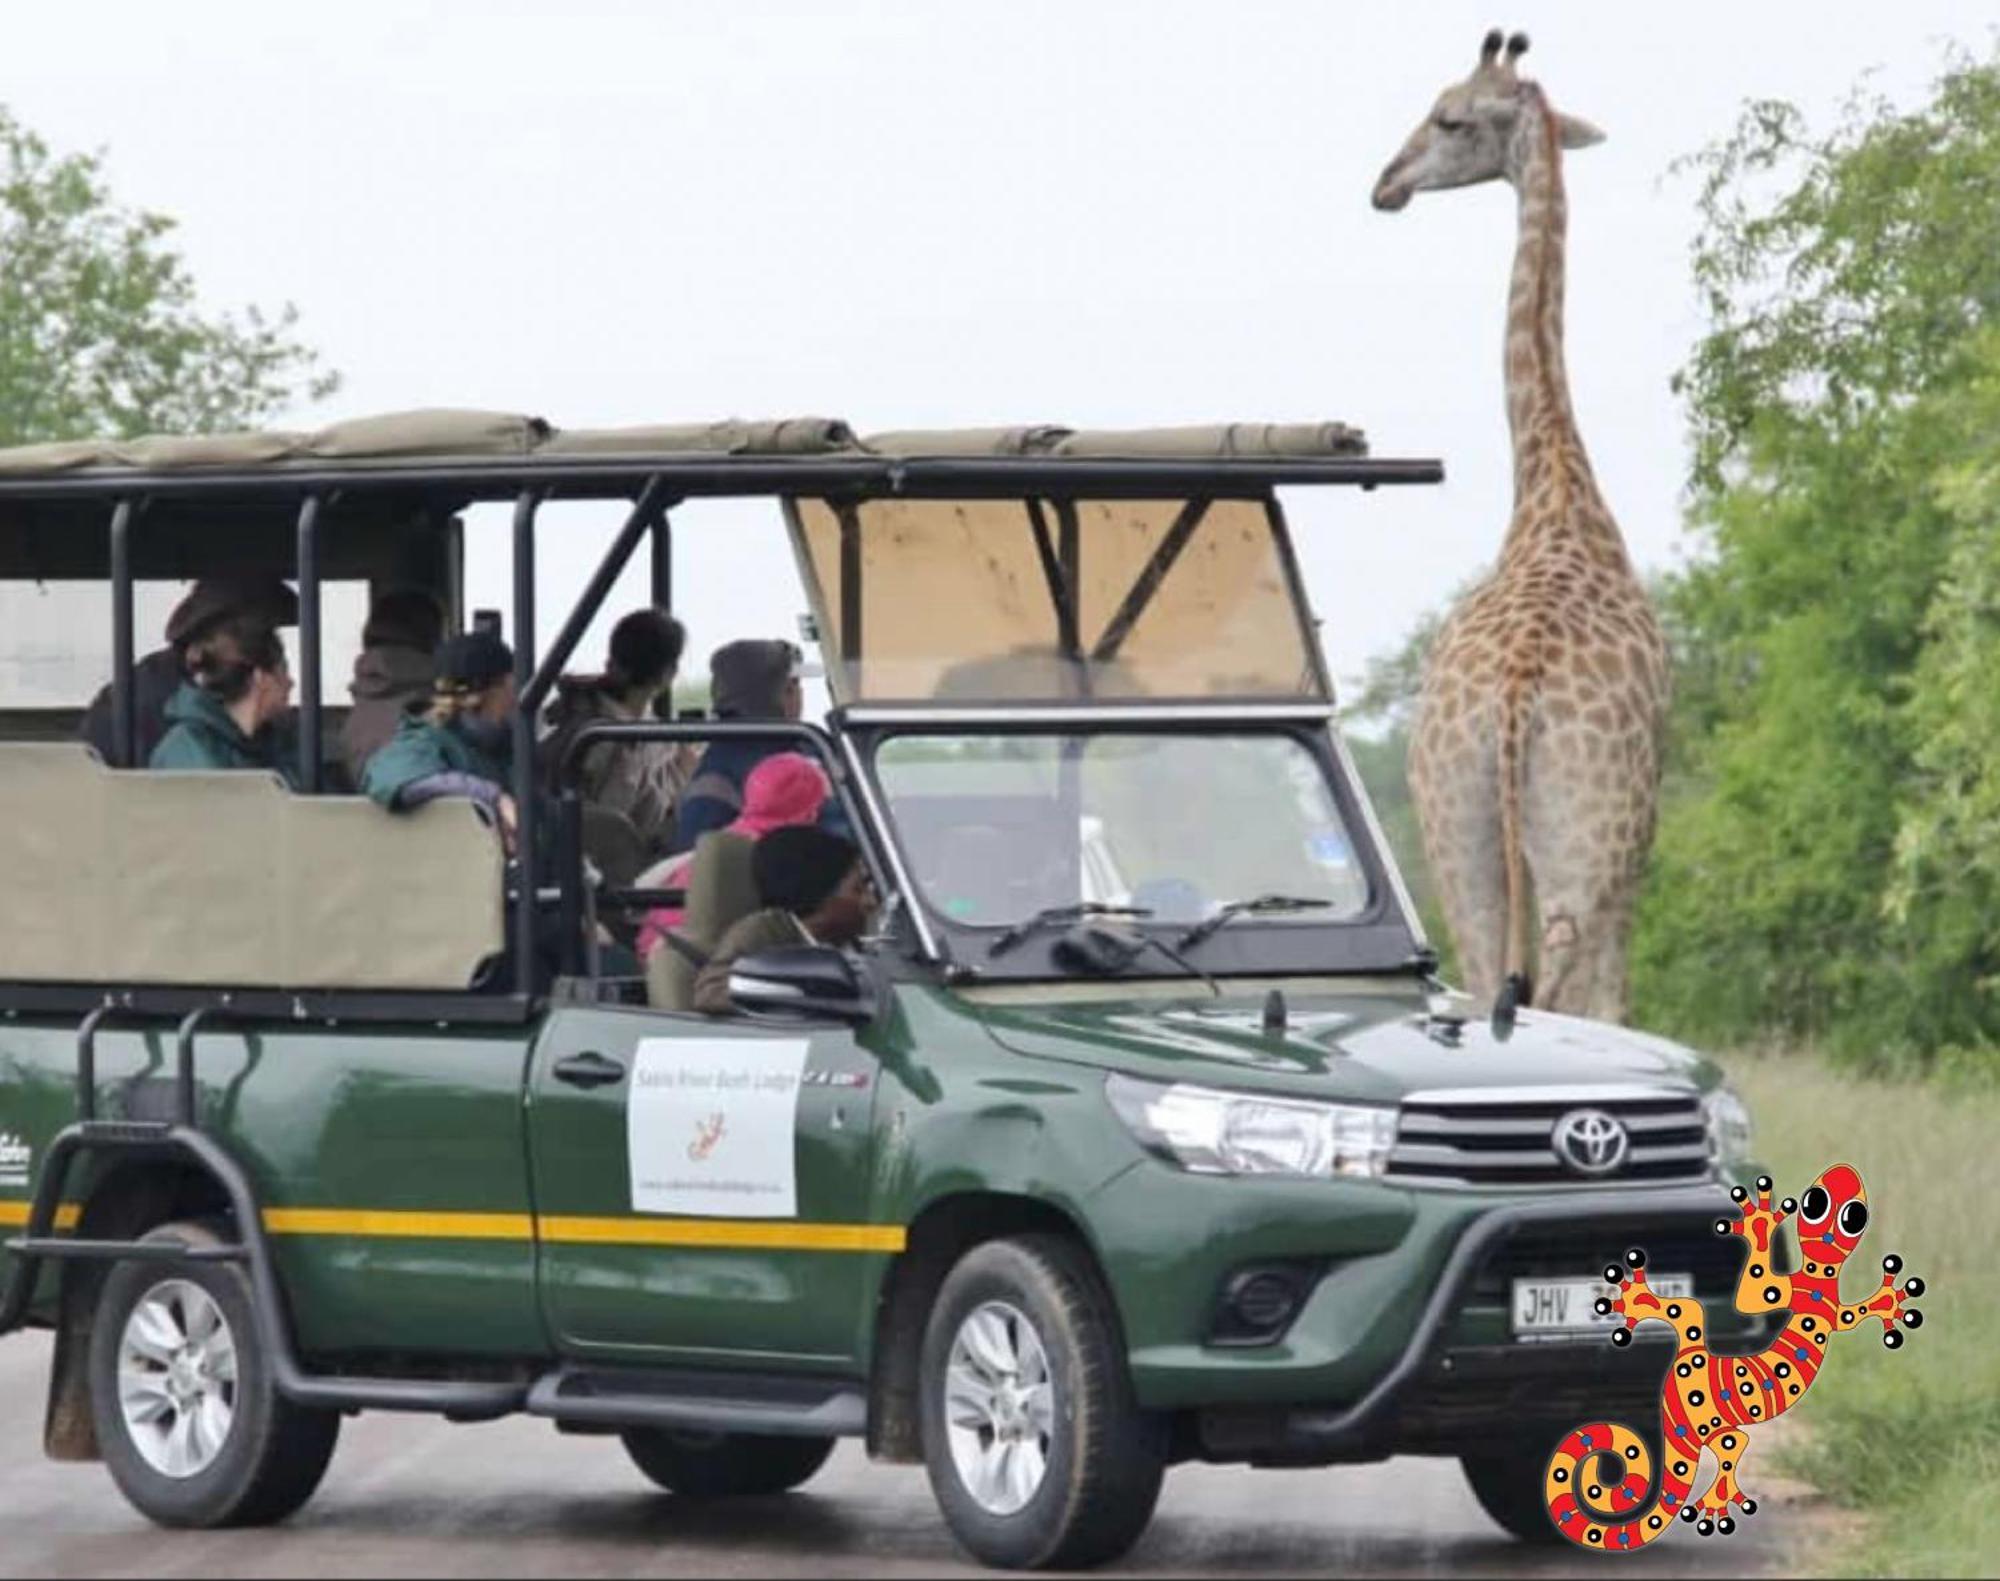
(188, 1418)
(1509, 1487)
(1037, 1452)
(725, 1465)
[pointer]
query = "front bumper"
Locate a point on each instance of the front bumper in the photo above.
(1405, 1344)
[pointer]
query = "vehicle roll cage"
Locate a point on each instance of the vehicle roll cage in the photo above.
(317, 493)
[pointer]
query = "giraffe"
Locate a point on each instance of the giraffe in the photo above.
(1535, 755)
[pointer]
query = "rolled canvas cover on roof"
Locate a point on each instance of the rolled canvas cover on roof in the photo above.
(1213, 442)
(1026, 441)
(956, 604)
(793, 436)
(224, 879)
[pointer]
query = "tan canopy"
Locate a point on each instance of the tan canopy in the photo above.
(446, 434)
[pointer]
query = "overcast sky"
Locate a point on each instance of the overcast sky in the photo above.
(915, 215)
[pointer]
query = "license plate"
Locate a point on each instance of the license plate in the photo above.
(1564, 1308)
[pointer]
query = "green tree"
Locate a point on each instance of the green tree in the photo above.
(100, 331)
(1801, 885)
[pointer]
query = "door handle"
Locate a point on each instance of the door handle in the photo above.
(589, 1070)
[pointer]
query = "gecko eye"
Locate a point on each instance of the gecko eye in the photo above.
(1814, 1205)
(1854, 1218)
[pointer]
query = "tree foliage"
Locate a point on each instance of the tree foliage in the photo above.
(1824, 869)
(100, 330)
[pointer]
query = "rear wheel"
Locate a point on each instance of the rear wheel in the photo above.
(725, 1465)
(1037, 1452)
(189, 1421)
(1509, 1488)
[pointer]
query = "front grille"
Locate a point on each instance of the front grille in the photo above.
(1507, 1138)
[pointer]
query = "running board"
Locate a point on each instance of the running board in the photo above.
(716, 1402)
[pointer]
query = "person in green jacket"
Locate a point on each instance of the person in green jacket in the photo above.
(229, 713)
(460, 742)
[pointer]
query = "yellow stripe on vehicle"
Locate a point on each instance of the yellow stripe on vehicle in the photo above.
(370, 1223)
(758, 1234)
(14, 1215)
(383, 1224)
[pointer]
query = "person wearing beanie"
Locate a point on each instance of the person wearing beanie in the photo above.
(398, 657)
(158, 676)
(458, 741)
(643, 782)
(815, 889)
(228, 713)
(752, 679)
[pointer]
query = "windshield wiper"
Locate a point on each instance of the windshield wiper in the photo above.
(1257, 906)
(1050, 916)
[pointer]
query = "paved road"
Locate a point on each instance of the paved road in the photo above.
(412, 1497)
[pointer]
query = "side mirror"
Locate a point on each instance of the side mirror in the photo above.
(806, 982)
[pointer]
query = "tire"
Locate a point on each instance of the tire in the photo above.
(1101, 1458)
(725, 1465)
(265, 1457)
(1509, 1488)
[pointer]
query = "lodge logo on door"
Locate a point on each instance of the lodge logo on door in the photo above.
(17, 1158)
(706, 1134)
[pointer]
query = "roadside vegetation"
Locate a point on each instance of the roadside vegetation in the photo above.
(1827, 871)
(101, 332)
(1911, 1437)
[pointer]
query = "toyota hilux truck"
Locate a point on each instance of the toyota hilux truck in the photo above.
(1138, 1132)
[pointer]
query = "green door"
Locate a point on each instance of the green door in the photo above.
(702, 1186)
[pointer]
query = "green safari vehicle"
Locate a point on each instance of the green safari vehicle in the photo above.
(1140, 1132)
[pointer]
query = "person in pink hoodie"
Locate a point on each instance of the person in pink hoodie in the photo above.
(785, 789)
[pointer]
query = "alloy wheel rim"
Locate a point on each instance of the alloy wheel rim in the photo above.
(999, 1408)
(177, 1379)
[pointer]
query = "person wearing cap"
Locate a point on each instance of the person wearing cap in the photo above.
(398, 657)
(752, 679)
(228, 713)
(641, 782)
(460, 741)
(158, 676)
(815, 889)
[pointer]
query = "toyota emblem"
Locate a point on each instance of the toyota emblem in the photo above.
(1591, 1142)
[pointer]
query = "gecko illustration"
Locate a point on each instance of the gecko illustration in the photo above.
(1600, 1484)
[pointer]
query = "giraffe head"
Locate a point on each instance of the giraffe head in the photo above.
(1468, 137)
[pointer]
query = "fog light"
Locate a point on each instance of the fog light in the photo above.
(1259, 1303)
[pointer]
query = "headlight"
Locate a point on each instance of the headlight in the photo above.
(1728, 1126)
(1238, 1133)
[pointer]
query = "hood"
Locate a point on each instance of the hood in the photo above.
(1368, 1047)
(385, 672)
(579, 700)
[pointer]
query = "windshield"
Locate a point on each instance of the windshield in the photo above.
(998, 827)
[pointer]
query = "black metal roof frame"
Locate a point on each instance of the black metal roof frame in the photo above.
(611, 477)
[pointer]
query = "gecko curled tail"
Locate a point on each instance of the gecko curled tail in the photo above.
(1601, 1493)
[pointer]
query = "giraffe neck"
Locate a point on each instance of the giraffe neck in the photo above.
(1548, 450)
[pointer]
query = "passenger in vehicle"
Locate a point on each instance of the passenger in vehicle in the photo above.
(816, 890)
(227, 713)
(751, 679)
(785, 790)
(161, 673)
(642, 783)
(394, 668)
(459, 742)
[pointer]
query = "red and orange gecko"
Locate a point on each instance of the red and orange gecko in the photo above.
(1600, 1483)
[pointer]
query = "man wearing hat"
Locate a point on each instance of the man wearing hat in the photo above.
(459, 741)
(161, 673)
(753, 679)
